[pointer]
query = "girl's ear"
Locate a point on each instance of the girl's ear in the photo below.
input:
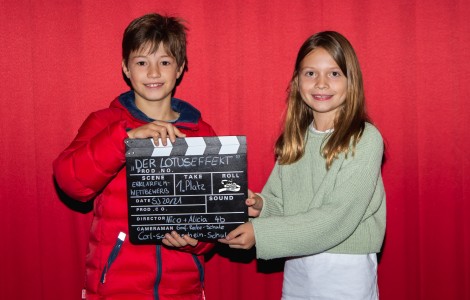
(180, 70)
(125, 69)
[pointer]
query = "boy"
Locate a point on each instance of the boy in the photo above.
(154, 59)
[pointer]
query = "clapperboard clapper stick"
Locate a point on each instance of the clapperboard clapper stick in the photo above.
(195, 186)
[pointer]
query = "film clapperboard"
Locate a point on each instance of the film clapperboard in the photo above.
(195, 186)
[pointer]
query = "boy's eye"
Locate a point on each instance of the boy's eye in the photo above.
(166, 63)
(141, 63)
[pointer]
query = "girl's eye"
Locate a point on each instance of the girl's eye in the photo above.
(309, 74)
(335, 74)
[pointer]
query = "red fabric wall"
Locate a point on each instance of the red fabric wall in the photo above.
(60, 60)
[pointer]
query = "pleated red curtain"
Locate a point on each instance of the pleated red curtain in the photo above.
(60, 60)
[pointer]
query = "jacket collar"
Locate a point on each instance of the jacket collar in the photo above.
(188, 113)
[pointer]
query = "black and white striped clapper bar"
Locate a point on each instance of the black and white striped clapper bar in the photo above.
(195, 186)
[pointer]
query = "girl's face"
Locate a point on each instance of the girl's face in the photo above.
(323, 86)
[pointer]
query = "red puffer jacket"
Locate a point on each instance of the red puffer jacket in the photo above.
(93, 166)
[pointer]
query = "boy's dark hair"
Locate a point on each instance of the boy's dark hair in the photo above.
(153, 30)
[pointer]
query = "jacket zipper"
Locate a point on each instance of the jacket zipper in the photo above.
(159, 272)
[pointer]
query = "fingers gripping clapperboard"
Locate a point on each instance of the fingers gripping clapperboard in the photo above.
(195, 186)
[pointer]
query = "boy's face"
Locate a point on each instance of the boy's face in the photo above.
(152, 75)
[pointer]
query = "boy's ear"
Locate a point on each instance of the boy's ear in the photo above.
(125, 70)
(180, 71)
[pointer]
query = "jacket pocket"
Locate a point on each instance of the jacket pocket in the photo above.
(112, 256)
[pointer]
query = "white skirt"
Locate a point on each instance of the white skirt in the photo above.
(327, 276)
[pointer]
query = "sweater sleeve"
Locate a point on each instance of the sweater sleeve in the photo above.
(343, 207)
(272, 195)
(93, 158)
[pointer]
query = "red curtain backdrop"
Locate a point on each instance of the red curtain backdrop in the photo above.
(60, 60)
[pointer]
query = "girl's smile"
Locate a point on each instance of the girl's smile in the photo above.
(320, 97)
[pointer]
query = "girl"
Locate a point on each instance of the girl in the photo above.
(323, 207)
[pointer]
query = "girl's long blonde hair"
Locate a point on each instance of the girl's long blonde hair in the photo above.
(351, 117)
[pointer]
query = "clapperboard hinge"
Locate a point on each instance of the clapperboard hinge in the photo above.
(187, 146)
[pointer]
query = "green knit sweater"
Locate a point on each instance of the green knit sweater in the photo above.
(308, 209)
